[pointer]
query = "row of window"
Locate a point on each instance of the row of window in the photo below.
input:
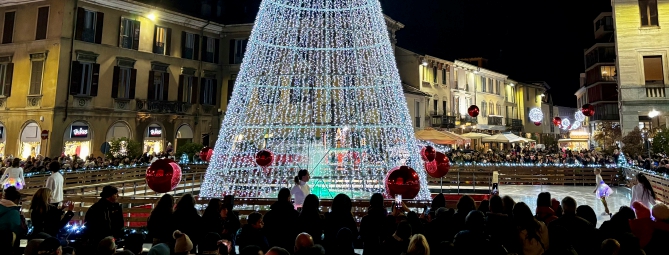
(90, 24)
(490, 85)
(490, 108)
(536, 94)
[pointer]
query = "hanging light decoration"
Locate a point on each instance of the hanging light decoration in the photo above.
(473, 111)
(557, 121)
(588, 110)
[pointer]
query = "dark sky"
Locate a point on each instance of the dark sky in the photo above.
(528, 40)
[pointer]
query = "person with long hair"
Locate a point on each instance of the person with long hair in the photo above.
(311, 220)
(602, 190)
(160, 223)
(643, 191)
(13, 176)
(46, 217)
(418, 246)
(532, 234)
(211, 217)
(301, 188)
(187, 219)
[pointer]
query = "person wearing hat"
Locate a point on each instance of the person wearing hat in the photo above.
(182, 245)
(50, 246)
(104, 218)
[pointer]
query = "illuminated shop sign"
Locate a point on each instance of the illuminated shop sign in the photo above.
(79, 132)
(155, 132)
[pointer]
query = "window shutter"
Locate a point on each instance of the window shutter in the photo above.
(9, 74)
(166, 86)
(8, 28)
(193, 92)
(100, 20)
(151, 94)
(115, 82)
(217, 50)
(183, 44)
(214, 96)
(232, 51)
(95, 80)
(120, 33)
(75, 78)
(204, 48)
(168, 47)
(203, 81)
(133, 83)
(42, 22)
(135, 36)
(80, 23)
(196, 47)
(180, 88)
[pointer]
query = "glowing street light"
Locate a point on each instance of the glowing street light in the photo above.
(151, 16)
(654, 113)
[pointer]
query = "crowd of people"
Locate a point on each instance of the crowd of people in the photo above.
(498, 226)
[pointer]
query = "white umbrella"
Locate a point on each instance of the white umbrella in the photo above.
(474, 135)
(502, 138)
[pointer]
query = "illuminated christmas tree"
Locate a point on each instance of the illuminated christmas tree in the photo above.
(319, 88)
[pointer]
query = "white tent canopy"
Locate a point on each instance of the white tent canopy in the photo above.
(502, 138)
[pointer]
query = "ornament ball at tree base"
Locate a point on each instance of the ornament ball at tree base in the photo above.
(163, 175)
(440, 167)
(588, 110)
(205, 154)
(402, 180)
(264, 158)
(473, 111)
(428, 153)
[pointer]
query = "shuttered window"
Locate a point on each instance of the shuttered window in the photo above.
(42, 23)
(6, 74)
(36, 77)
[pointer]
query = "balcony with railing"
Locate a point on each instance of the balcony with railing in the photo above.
(514, 123)
(600, 53)
(155, 106)
(496, 120)
(647, 92)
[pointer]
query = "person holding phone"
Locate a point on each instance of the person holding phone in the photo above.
(46, 217)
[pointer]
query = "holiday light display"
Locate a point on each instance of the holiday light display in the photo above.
(536, 115)
(319, 88)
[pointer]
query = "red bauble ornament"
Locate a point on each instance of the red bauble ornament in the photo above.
(473, 111)
(205, 154)
(264, 158)
(403, 180)
(163, 175)
(441, 166)
(588, 110)
(428, 153)
(538, 123)
(557, 121)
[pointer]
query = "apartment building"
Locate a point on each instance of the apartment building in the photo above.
(84, 72)
(488, 94)
(642, 62)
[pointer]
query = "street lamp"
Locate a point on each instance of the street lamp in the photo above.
(654, 113)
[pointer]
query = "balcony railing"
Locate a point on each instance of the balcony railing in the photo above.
(494, 120)
(162, 106)
(514, 123)
(643, 92)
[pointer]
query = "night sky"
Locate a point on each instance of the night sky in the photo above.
(528, 40)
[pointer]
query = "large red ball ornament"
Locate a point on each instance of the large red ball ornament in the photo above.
(428, 153)
(557, 121)
(473, 111)
(538, 123)
(403, 180)
(264, 158)
(163, 175)
(588, 110)
(441, 166)
(205, 154)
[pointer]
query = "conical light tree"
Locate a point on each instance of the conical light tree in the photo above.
(319, 88)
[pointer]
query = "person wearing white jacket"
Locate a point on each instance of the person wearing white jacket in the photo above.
(55, 183)
(301, 189)
(13, 176)
(643, 192)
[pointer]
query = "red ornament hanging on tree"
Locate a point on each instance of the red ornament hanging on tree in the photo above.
(428, 153)
(163, 175)
(402, 180)
(205, 154)
(473, 111)
(538, 123)
(557, 121)
(588, 110)
(264, 158)
(440, 167)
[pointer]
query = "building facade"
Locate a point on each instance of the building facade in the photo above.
(642, 61)
(486, 90)
(86, 72)
(529, 96)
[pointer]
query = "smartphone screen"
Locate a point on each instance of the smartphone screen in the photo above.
(398, 200)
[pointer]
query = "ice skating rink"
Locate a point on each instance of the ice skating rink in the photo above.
(583, 194)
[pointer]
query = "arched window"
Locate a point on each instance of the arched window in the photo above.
(492, 108)
(484, 109)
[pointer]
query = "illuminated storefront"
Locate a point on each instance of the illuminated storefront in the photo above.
(77, 139)
(153, 141)
(578, 140)
(31, 142)
(2, 141)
